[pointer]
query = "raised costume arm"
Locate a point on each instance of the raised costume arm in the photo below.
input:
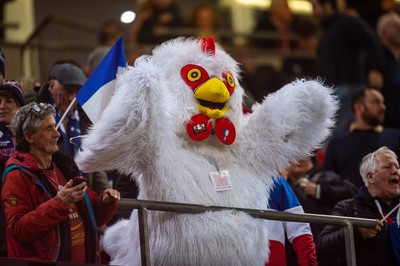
(122, 131)
(289, 124)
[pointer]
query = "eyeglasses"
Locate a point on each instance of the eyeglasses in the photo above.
(34, 107)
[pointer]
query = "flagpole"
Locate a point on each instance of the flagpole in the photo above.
(66, 112)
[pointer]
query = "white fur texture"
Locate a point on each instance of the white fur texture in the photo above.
(143, 132)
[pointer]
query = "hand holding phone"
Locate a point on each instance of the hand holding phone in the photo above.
(78, 180)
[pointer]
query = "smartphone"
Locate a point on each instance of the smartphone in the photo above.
(78, 180)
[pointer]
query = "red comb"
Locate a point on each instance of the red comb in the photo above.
(208, 45)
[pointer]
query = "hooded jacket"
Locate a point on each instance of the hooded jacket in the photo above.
(37, 220)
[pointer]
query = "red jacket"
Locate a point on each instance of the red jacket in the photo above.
(35, 216)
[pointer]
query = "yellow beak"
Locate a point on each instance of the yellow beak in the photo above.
(212, 96)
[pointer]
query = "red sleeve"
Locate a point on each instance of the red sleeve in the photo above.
(103, 212)
(305, 249)
(29, 215)
(277, 254)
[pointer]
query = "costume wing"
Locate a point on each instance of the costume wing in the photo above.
(288, 125)
(120, 136)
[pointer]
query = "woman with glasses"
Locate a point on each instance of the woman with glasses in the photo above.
(49, 216)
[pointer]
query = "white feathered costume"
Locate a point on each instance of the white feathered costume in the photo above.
(175, 119)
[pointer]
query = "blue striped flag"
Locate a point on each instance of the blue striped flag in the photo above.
(97, 91)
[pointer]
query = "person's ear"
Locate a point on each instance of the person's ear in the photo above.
(370, 178)
(28, 138)
(51, 85)
(358, 106)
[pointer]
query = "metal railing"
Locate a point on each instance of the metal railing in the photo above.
(144, 205)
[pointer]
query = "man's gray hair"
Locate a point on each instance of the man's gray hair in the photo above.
(369, 162)
(27, 120)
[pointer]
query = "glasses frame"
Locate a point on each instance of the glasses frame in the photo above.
(35, 107)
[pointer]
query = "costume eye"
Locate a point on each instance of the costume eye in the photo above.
(229, 81)
(194, 75)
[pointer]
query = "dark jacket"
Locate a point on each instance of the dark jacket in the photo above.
(371, 251)
(37, 220)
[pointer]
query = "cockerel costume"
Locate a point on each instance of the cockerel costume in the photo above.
(176, 124)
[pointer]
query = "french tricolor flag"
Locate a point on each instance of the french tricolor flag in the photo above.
(97, 91)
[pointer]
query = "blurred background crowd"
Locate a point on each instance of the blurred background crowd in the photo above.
(276, 39)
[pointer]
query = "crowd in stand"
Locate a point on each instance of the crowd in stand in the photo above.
(355, 172)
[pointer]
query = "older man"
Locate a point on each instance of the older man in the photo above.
(66, 79)
(377, 198)
(48, 215)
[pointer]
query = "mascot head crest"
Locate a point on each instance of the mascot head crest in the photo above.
(208, 45)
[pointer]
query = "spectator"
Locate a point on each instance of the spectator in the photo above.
(205, 21)
(348, 56)
(302, 62)
(65, 81)
(48, 217)
(307, 33)
(11, 98)
(389, 33)
(155, 16)
(279, 20)
(379, 195)
(299, 235)
(365, 135)
(318, 191)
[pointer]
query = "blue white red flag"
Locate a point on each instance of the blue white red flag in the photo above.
(97, 91)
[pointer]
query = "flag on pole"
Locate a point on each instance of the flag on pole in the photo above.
(97, 91)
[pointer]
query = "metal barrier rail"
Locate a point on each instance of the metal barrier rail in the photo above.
(144, 205)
